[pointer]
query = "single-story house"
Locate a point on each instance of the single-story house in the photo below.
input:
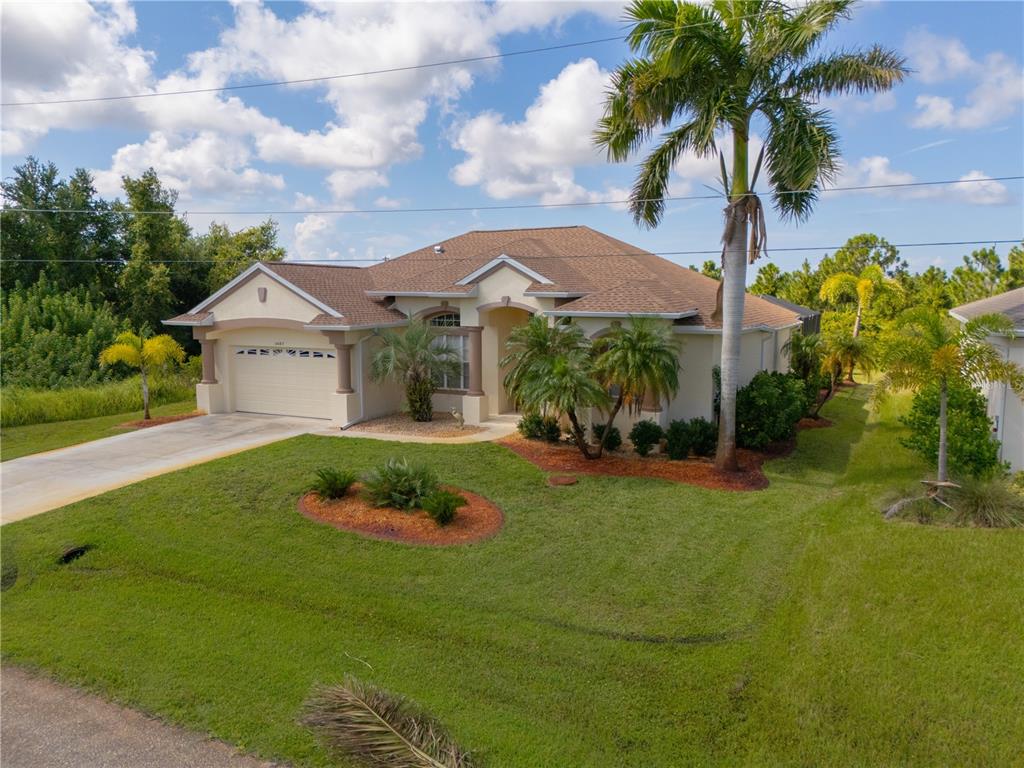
(1005, 407)
(298, 339)
(810, 319)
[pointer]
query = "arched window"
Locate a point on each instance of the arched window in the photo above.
(458, 342)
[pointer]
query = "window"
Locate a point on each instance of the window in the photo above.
(458, 343)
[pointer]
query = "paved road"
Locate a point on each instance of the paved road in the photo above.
(45, 481)
(47, 725)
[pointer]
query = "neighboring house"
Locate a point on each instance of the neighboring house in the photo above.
(298, 339)
(810, 319)
(1004, 405)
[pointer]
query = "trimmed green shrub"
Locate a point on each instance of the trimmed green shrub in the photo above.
(333, 483)
(678, 440)
(972, 449)
(536, 427)
(768, 409)
(703, 436)
(36, 406)
(399, 484)
(614, 436)
(645, 435)
(441, 505)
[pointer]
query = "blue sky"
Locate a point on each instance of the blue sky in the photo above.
(508, 132)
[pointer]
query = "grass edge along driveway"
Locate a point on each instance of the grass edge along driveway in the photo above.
(622, 621)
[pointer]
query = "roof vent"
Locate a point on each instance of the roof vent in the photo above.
(438, 249)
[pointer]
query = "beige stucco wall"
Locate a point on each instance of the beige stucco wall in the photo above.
(282, 303)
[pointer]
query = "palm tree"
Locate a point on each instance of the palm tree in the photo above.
(705, 69)
(928, 347)
(847, 352)
(145, 354)
(862, 288)
(417, 359)
(532, 343)
(637, 361)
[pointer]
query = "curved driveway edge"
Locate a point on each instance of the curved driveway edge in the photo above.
(44, 481)
(44, 724)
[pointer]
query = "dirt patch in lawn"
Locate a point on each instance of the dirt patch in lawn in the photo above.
(564, 459)
(479, 519)
(156, 421)
(811, 423)
(443, 425)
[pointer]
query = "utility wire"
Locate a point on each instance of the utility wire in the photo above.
(716, 251)
(511, 206)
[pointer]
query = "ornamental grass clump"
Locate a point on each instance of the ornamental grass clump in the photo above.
(399, 484)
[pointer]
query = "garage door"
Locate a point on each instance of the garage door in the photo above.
(288, 381)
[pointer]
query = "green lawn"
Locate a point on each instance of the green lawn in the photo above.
(616, 622)
(35, 438)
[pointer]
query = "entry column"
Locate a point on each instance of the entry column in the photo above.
(344, 354)
(475, 360)
(209, 353)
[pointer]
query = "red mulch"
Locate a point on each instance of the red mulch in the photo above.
(564, 458)
(156, 421)
(479, 519)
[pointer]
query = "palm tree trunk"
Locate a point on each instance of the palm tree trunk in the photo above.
(608, 426)
(943, 437)
(856, 320)
(734, 278)
(145, 395)
(579, 435)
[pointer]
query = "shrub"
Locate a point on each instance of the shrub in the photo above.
(399, 484)
(972, 450)
(36, 406)
(768, 408)
(536, 427)
(645, 435)
(703, 436)
(441, 505)
(678, 440)
(991, 503)
(333, 483)
(614, 436)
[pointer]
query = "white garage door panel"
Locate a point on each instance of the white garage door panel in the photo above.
(287, 381)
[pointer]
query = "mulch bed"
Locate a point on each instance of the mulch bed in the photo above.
(443, 425)
(156, 421)
(479, 519)
(809, 423)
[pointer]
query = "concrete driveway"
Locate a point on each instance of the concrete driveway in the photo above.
(45, 481)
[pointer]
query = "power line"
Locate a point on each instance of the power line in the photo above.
(511, 206)
(324, 78)
(715, 251)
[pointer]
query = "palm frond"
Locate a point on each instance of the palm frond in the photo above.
(162, 349)
(877, 69)
(366, 723)
(121, 352)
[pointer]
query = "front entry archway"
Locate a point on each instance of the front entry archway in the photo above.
(498, 323)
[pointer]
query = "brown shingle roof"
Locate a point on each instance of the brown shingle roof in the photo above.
(341, 288)
(189, 318)
(1010, 304)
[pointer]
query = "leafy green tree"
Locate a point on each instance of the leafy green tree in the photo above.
(145, 354)
(972, 451)
(155, 239)
(862, 251)
(704, 69)
(927, 348)
(417, 359)
(233, 252)
(770, 281)
(709, 269)
(860, 288)
(50, 337)
(981, 275)
(637, 360)
(929, 289)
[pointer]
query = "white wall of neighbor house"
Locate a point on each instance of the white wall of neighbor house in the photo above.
(1006, 409)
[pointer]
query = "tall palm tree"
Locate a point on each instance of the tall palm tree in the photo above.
(702, 70)
(532, 343)
(637, 361)
(847, 352)
(861, 288)
(417, 359)
(145, 354)
(928, 347)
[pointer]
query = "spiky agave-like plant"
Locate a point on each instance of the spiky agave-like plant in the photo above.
(380, 728)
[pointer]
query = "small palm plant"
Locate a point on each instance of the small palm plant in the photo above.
(846, 352)
(417, 359)
(927, 347)
(145, 354)
(638, 361)
(533, 344)
(862, 288)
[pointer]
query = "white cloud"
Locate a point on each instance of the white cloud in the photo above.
(878, 171)
(536, 156)
(312, 238)
(996, 95)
